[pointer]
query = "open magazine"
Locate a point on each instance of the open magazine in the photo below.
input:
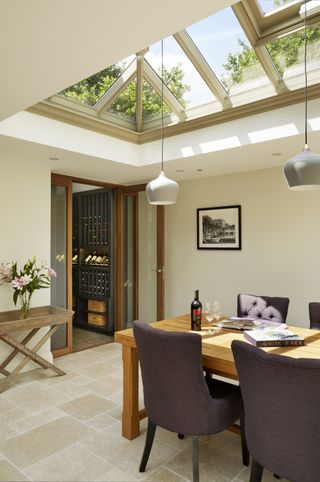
(248, 323)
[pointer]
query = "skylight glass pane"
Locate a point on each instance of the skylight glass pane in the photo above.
(180, 75)
(288, 52)
(225, 47)
(152, 102)
(125, 104)
(89, 91)
(269, 5)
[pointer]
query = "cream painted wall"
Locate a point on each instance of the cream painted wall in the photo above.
(280, 244)
(25, 225)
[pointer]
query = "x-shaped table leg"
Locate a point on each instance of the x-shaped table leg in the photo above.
(30, 354)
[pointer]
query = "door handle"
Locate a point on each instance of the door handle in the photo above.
(157, 270)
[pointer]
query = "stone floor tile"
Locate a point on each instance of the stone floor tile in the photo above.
(71, 464)
(105, 386)
(71, 389)
(81, 380)
(125, 454)
(216, 465)
(87, 406)
(10, 473)
(163, 474)
(97, 370)
(9, 411)
(6, 431)
(31, 447)
(36, 420)
(115, 475)
(101, 421)
(35, 397)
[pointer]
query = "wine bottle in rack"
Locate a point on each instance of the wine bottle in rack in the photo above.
(87, 260)
(93, 259)
(196, 312)
(104, 260)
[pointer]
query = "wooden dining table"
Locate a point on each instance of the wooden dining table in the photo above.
(217, 358)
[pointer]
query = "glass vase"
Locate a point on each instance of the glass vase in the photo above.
(25, 299)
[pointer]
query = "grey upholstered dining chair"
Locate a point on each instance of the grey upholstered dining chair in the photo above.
(267, 307)
(314, 315)
(176, 394)
(281, 397)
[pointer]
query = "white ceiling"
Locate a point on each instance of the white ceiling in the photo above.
(46, 46)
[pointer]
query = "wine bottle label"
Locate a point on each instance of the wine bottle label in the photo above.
(196, 319)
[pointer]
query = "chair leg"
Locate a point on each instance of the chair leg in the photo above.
(195, 459)
(245, 451)
(151, 430)
(256, 472)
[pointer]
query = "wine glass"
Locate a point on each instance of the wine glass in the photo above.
(209, 314)
(217, 313)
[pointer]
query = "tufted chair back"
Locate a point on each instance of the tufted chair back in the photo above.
(314, 315)
(265, 307)
(281, 397)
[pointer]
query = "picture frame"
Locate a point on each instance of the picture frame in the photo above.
(219, 227)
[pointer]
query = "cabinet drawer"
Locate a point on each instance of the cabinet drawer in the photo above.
(97, 319)
(95, 305)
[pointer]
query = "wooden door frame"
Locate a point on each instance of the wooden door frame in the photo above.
(66, 182)
(119, 255)
(120, 192)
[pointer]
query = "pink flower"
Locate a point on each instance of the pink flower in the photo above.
(19, 283)
(52, 273)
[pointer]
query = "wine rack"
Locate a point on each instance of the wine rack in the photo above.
(93, 260)
(94, 284)
(94, 222)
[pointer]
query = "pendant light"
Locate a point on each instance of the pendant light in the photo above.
(162, 190)
(302, 172)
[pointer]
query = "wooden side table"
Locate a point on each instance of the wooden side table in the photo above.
(40, 317)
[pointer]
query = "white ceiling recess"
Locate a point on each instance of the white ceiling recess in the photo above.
(254, 142)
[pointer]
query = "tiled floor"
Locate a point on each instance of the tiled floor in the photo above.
(68, 429)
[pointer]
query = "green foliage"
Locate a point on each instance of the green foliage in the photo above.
(285, 52)
(90, 90)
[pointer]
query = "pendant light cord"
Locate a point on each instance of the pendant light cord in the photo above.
(305, 78)
(162, 126)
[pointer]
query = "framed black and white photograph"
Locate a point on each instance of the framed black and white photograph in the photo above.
(219, 227)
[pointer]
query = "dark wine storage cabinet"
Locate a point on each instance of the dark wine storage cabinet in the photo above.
(92, 260)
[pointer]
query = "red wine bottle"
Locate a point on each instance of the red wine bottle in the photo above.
(196, 312)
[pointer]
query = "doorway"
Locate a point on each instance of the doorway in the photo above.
(136, 262)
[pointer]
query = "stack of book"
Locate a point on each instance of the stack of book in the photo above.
(273, 337)
(263, 332)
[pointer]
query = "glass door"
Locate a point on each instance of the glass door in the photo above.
(140, 259)
(61, 200)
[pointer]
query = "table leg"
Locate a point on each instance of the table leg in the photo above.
(16, 351)
(30, 354)
(130, 415)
